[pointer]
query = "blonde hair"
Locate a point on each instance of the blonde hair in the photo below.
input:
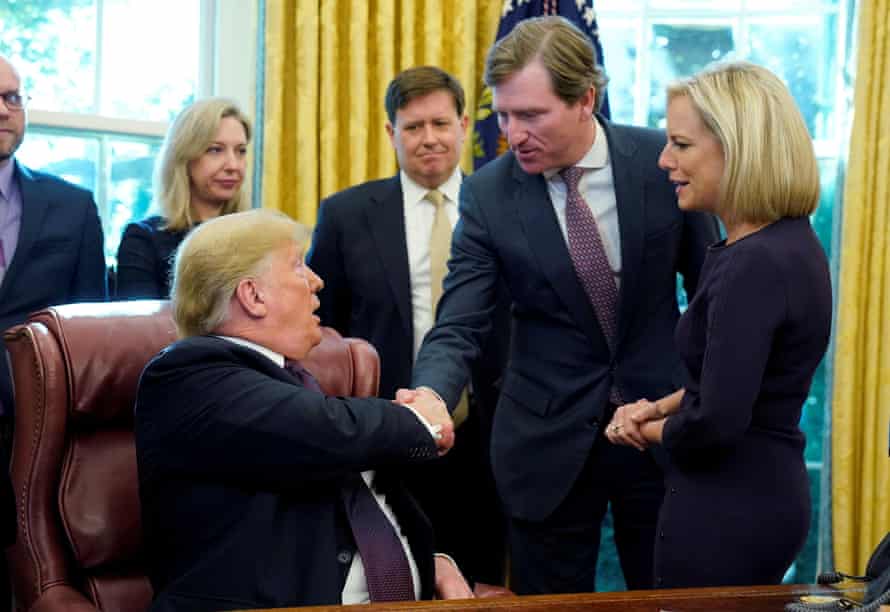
(187, 139)
(216, 256)
(771, 170)
(566, 53)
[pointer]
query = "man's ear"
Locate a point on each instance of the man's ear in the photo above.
(250, 297)
(391, 132)
(587, 102)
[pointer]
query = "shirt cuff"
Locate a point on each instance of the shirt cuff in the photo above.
(434, 430)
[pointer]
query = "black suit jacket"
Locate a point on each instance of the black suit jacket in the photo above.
(359, 250)
(145, 258)
(240, 476)
(59, 258)
(554, 396)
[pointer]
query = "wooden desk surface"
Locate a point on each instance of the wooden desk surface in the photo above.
(723, 599)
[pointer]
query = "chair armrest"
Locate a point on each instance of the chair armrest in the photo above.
(62, 598)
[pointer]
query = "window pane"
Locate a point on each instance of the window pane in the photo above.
(680, 50)
(619, 40)
(125, 189)
(801, 52)
(73, 158)
(52, 43)
(150, 58)
(129, 185)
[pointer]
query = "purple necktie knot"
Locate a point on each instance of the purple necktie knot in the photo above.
(296, 368)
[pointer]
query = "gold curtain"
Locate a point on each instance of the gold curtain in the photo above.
(861, 403)
(328, 63)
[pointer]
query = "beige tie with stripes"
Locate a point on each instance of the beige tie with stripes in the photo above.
(440, 245)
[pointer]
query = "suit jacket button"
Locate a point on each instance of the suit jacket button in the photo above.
(344, 557)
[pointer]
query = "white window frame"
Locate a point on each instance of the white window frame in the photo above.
(227, 67)
(641, 14)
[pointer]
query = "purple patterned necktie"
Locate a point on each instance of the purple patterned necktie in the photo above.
(386, 566)
(590, 261)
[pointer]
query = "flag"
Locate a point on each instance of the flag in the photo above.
(488, 142)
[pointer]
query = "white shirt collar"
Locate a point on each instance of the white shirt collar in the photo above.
(414, 192)
(277, 358)
(596, 157)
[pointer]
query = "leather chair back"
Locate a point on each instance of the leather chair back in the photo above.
(76, 369)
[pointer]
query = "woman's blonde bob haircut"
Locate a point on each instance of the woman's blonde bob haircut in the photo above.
(771, 169)
(216, 256)
(187, 139)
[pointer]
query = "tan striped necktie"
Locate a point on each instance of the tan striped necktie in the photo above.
(440, 245)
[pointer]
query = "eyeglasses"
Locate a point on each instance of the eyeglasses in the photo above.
(14, 100)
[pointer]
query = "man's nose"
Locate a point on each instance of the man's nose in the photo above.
(516, 132)
(315, 282)
(429, 135)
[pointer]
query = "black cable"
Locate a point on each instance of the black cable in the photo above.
(835, 577)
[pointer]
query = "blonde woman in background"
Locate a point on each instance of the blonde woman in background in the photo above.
(199, 175)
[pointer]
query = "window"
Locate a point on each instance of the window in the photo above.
(105, 78)
(649, 43)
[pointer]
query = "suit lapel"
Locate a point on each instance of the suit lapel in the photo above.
(386, 220)
(629, 194)
(35, 204)
(532, 201)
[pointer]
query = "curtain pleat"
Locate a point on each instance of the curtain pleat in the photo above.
(861, 396)
(328, 63)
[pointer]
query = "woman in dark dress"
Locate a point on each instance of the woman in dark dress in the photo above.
(737, 503)
(199, 175)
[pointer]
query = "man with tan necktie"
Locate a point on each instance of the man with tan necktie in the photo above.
(381, 248)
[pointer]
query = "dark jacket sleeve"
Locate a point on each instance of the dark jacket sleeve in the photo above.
(213, 417)
(465, 311)
(137, 265)
(89, 281)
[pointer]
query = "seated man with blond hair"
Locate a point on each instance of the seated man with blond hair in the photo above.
(258, 490)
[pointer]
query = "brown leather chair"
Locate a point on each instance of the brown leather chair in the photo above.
(75, 369)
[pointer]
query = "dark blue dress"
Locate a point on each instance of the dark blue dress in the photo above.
(145, 259)
(737, 503)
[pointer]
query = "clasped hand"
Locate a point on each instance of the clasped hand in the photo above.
(626, 423)
(431, 407)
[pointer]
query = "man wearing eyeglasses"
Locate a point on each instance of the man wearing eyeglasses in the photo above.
(50, 253)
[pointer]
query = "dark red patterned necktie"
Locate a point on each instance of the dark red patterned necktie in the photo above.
(386, 565)
(590, 261)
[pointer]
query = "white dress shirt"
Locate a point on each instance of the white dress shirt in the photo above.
(419, 215)
(356, 588)
(598, 189)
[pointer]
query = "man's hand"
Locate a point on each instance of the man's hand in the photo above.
(430, 406)
(450, 583)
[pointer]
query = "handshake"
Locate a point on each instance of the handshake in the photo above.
(428, 404)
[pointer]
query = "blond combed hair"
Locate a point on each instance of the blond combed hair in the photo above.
(566, 53)
(187, 139)
(770, 164)
(216, 256)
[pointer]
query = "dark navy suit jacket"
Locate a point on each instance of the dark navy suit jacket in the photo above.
(59, 258)
(241, 472)
(555, 390)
